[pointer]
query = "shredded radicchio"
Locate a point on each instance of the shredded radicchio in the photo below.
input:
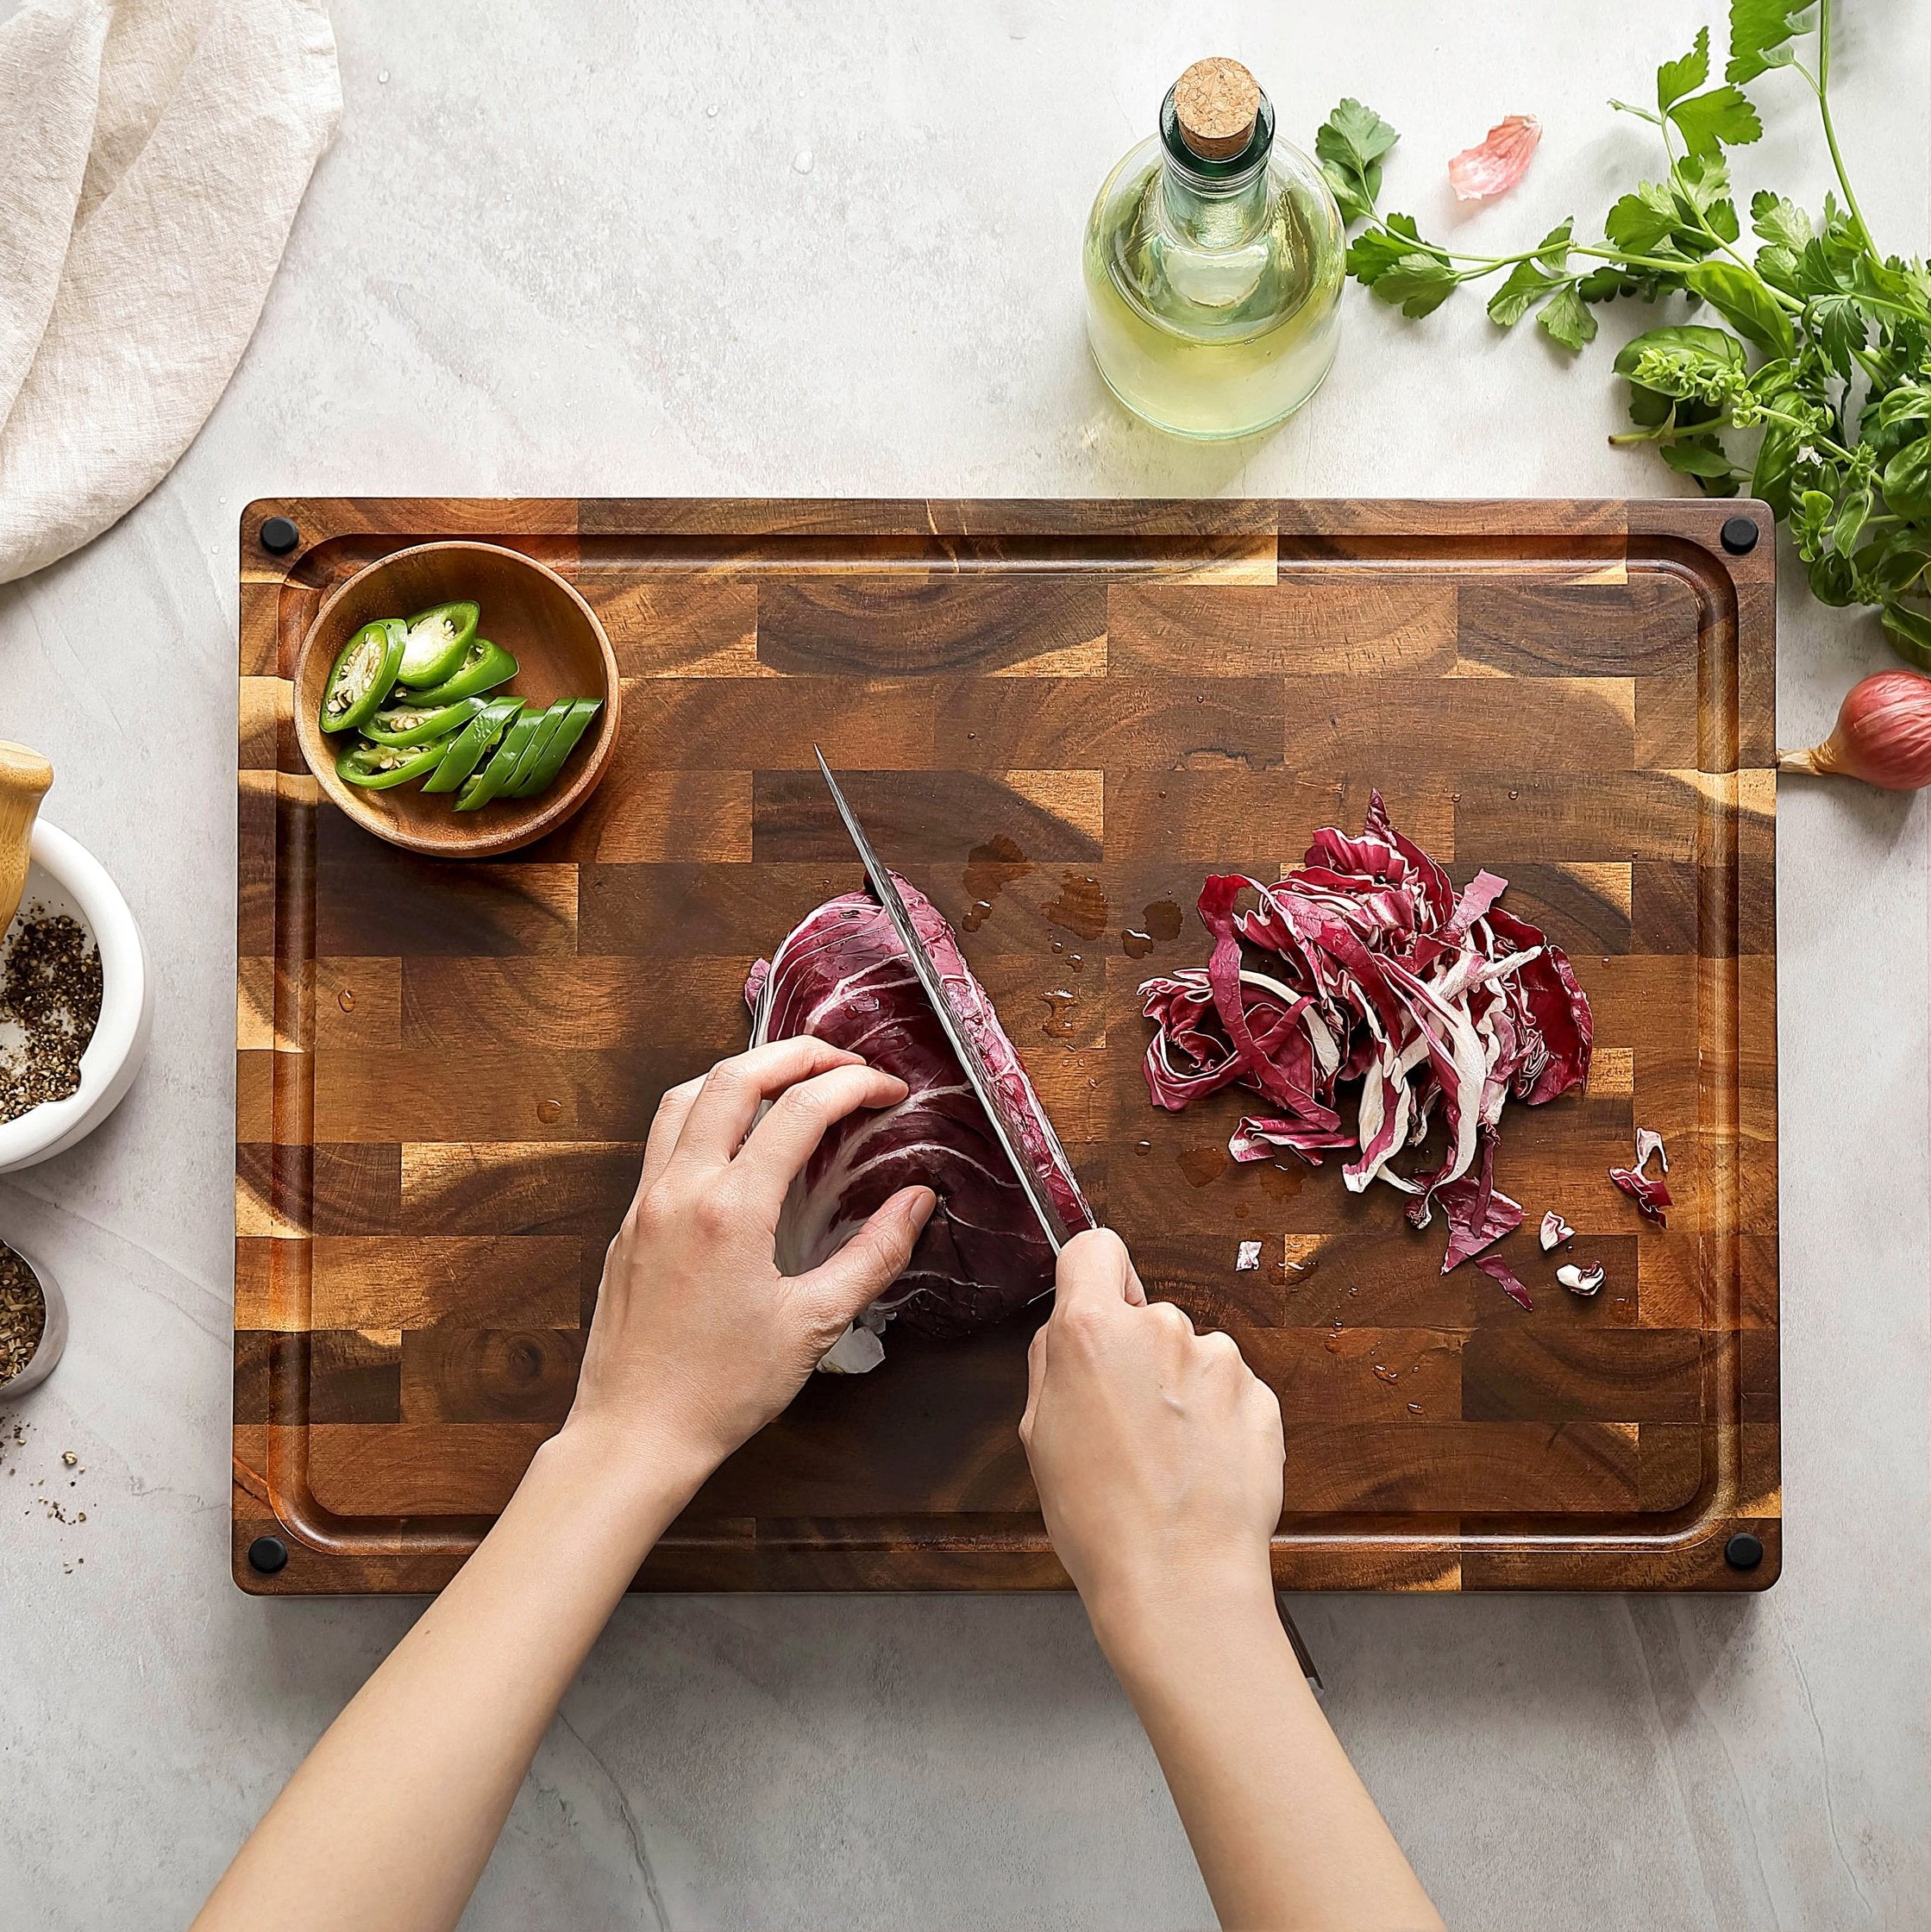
(1365, 971)
(1652, 1194)
(1555, 1230)
(842, 976)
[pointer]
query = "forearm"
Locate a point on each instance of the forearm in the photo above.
(392, 1819)
(1285, 1833)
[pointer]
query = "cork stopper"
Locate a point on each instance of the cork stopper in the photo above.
(1215, 103)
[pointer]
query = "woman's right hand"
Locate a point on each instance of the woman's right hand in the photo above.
(1157, 1451)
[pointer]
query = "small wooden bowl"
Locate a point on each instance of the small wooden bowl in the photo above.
(560, 652)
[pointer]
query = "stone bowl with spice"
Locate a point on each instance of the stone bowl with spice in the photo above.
(76, 1002)
(33, 1323)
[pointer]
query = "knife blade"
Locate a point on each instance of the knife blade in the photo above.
(886, 888)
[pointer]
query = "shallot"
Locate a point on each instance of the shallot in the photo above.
(1883, 735)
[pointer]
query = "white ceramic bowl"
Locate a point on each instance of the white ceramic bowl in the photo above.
(53, 1337)
(64, 878)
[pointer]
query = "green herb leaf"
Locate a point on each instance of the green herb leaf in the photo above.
(1907, 481)
(1745, 302)
(1760, 32)
(1566, 319)
(1910, 632)
(1350, 145)
(1709, 122)
(1778, 221)
(1909, 403)
(1682, 361)
(1529, 280)
(1372, 254)
(1770, 478)
(1852, 514)
(1706, 461)
(1418, 285)
(1644, 223)
(1675, 78)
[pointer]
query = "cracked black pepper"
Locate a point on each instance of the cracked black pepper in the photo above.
(50, 997)
(23, 1314)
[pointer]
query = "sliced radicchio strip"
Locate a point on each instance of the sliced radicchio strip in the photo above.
(1650, 1194)
(1503, 1275)
(1555, 1230)
(843, 976)
(1367, 1003)
(1581, 1281)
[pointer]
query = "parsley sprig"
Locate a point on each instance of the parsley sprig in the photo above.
(1815, 391)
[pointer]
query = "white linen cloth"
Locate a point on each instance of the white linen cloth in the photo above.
(152, 153)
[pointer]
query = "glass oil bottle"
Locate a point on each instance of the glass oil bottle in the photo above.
(1214, 264)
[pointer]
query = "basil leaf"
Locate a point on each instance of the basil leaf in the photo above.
(1910, 632)
(1698, 457)
(1680, 359)
(1852, 514)
(1745, 302)
(1907, 481)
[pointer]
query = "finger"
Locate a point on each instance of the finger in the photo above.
(1096, 1271)
(735, 1089)
(795, 1122)
(870, 1261)
(1034, 1381)
(665, 1129)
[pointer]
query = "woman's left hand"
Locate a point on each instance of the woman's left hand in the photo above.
(699, 1340)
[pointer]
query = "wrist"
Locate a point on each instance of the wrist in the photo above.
(1143, 1623)
(641, 1477)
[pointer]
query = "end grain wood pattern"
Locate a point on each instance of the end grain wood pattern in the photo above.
(1056, 717)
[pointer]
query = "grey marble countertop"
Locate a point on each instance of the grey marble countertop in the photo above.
(739, 247)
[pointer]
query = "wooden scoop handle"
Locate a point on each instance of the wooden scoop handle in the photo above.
(24, 778)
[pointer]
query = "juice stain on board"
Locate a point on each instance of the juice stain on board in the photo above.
(990, 868)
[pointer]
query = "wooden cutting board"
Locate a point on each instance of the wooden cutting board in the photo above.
(1054, 718)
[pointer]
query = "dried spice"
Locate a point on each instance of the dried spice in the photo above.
(50, 995)
(23, 1314)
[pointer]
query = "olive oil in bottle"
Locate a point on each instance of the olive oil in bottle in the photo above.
(1214, 264)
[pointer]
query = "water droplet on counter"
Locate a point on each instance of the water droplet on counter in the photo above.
(1204, 1166)
(711, 112)
(1163, 918)
(382, 77)
(549, 1112)
(1076, 961)
(801, 161)
(1414, 1408)
(989, 869)
(1059, 946)
(1383, 1373)
(1059, 1009)
(977, 917)
(1514, 794)
(1081, 908)
(1331, 1340)
(345, 1000)
(1136, 945)
(1143, 1146)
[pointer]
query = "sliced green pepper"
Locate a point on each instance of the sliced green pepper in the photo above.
(363, 674)
(376, 768)
(488, 783)
(483, 667)
(468, 749)
(436, 642)
(546, 729)
(408, 724)
(558, 747)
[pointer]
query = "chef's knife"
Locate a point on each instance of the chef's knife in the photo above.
(886, 887)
